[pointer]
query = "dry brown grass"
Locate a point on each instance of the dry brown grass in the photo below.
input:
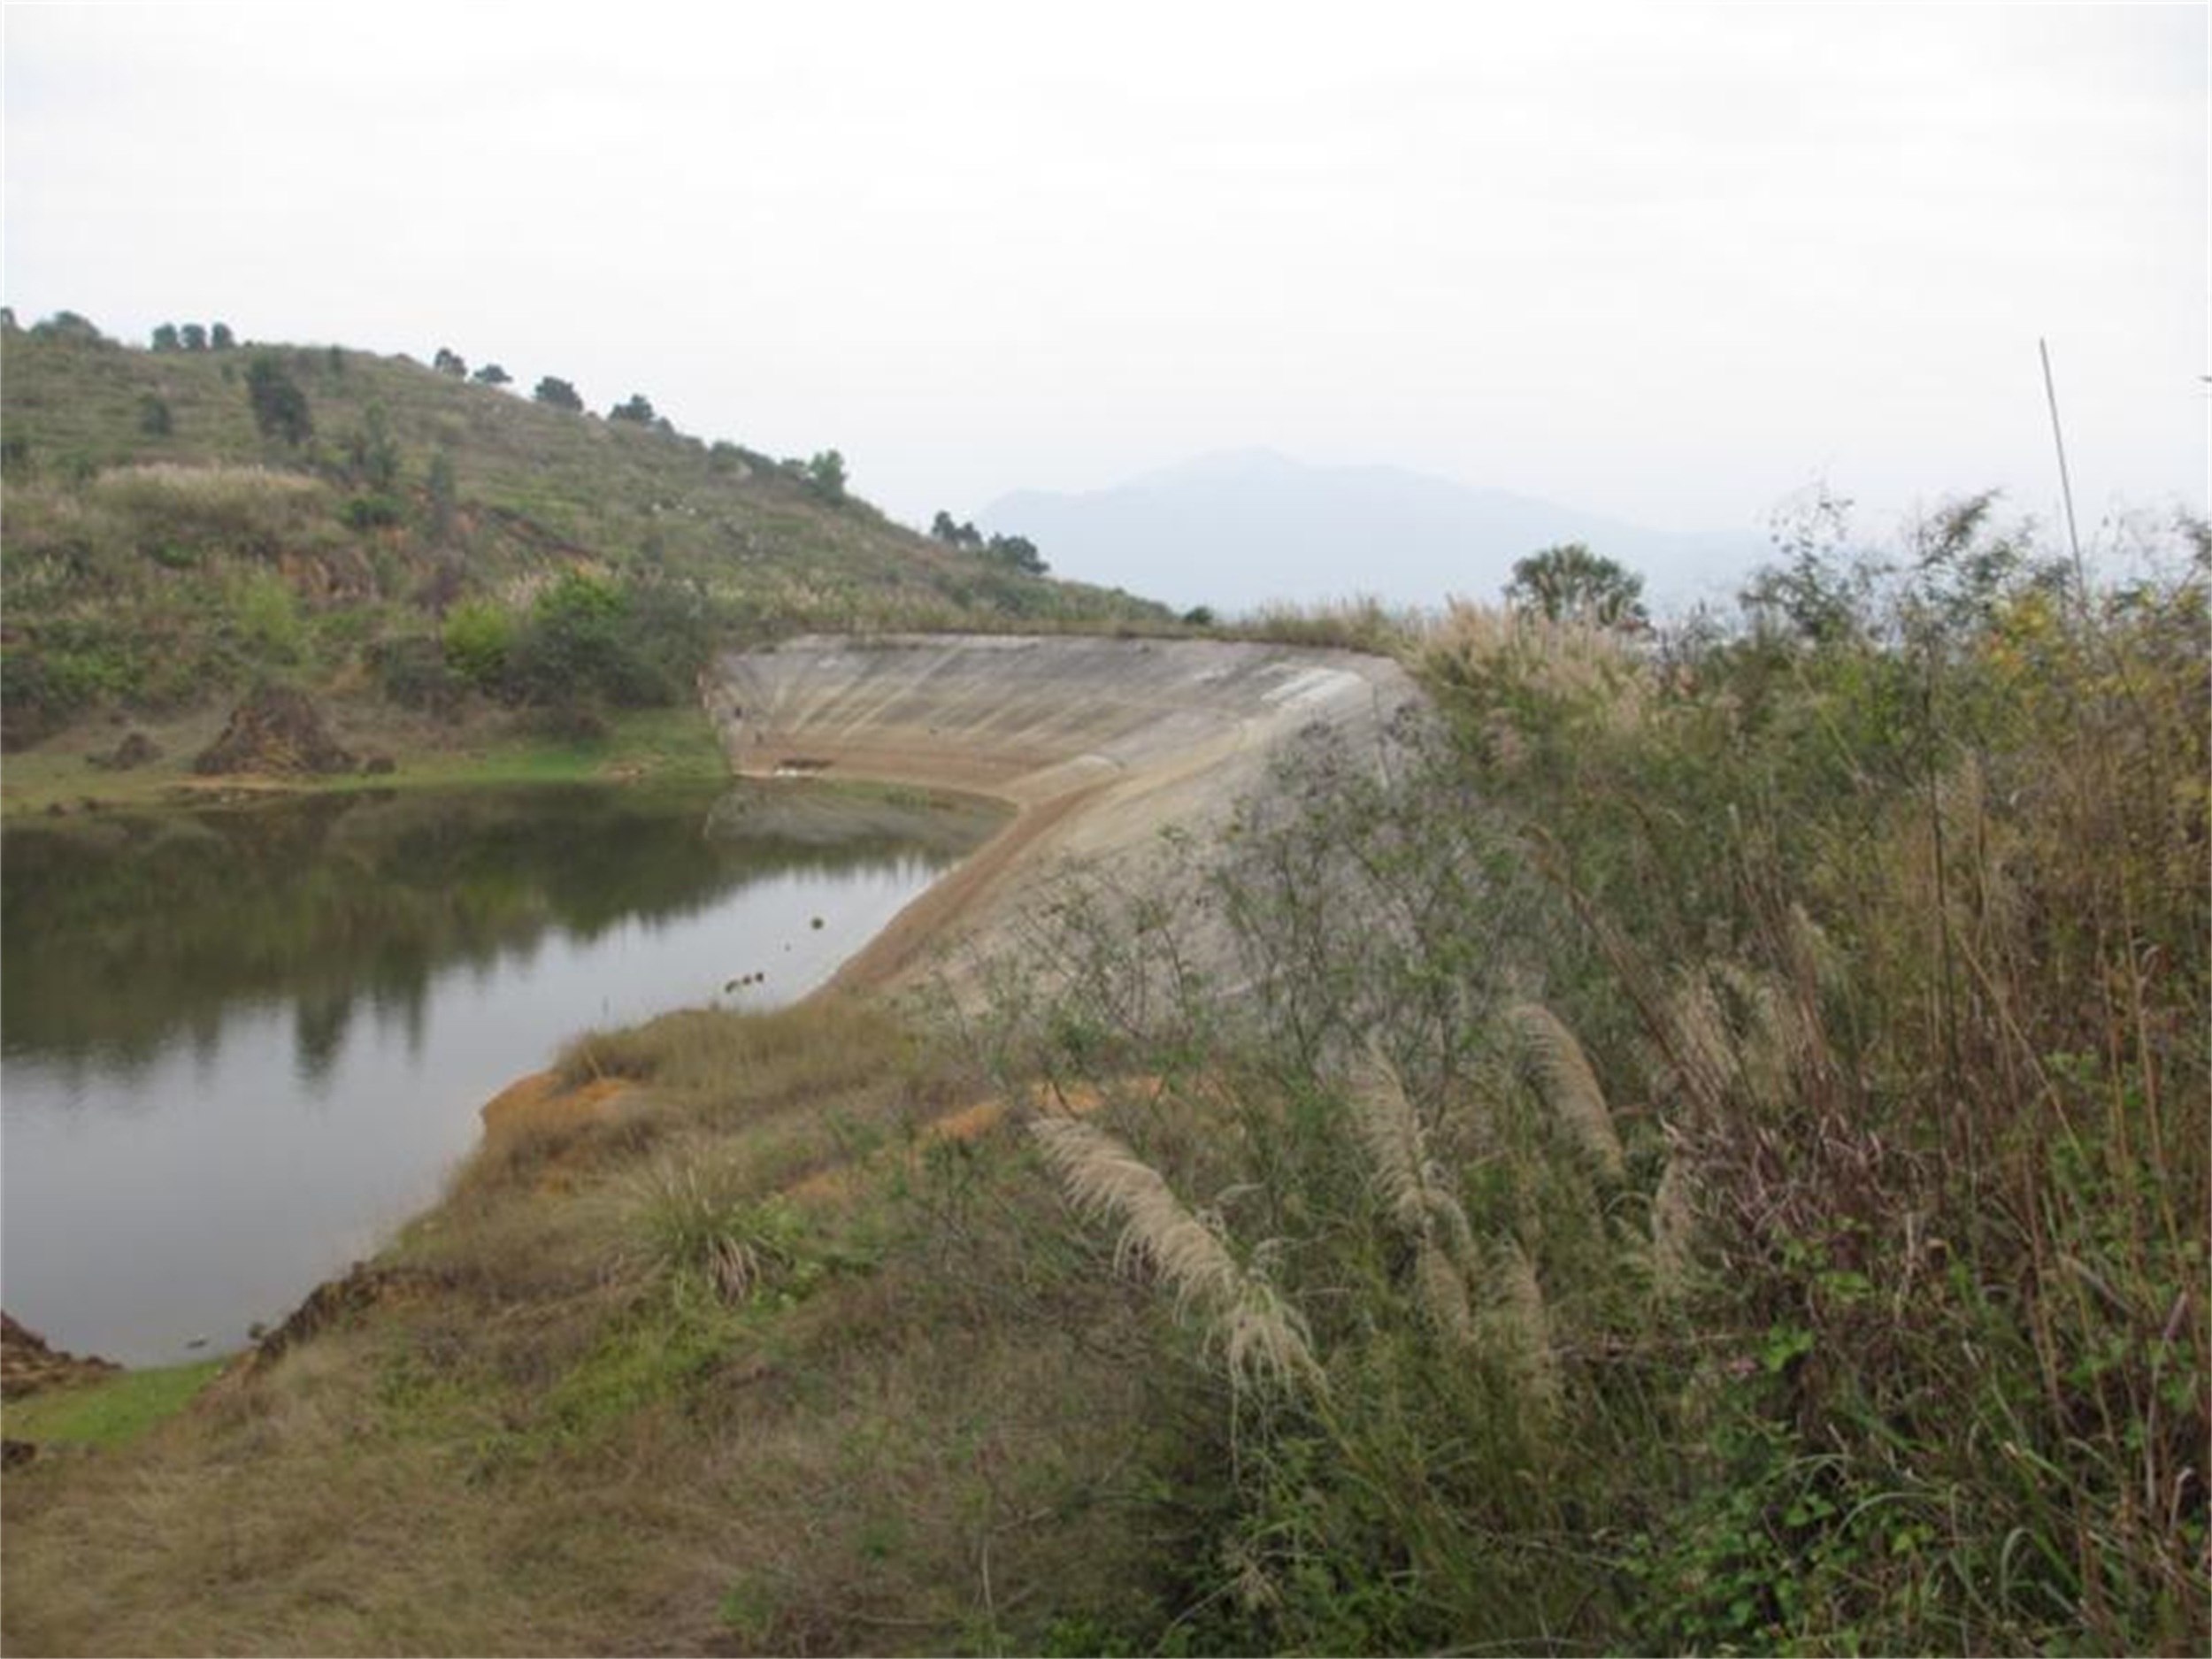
(1591, 673)
(723, 1069)
(552, 1452)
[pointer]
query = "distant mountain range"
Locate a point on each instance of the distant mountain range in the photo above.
(1239, 529)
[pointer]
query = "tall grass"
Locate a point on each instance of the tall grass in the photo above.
(1807, 1023)
(1903, 921)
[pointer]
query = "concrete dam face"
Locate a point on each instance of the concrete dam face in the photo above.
(1099, 744)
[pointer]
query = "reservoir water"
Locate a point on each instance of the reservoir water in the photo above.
(239, 1047)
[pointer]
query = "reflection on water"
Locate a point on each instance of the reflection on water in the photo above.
(239, 1045)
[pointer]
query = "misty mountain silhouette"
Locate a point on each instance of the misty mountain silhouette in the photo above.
(1244, 526)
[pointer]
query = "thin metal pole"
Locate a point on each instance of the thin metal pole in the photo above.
(2065, 483)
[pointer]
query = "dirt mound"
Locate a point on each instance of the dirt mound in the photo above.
(276, 730)
(26, 1364)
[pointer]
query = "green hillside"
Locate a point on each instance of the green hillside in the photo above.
(375, 527)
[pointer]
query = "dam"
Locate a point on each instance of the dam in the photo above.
(1100, 744)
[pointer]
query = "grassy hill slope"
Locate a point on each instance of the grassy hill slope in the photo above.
(165, 548)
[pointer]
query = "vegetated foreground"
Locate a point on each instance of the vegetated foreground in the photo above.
(1694, 1142)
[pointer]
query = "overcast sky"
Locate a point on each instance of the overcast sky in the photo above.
(1668, 264)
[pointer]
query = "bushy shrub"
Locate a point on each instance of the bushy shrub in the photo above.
(279, 407)
(265, 616)
(477, 638)
(629, 645)
(372, 512)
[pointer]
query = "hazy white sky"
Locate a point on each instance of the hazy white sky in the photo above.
(1667, 263)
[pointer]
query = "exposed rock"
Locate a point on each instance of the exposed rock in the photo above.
(26, 1364)
(276, 730)
(360, 1288)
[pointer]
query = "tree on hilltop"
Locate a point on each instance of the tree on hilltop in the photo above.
(559, 392)
(449, 361)
(825, 475)
(195, 336)
(944, 529)
(220, 337)
(1017, 552)
(71, 325)
(167, 339)
(637, 409)
(492, 374)
(1568, 582)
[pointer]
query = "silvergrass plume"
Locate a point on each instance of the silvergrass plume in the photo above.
(1263, 1339)
(1567, 1085)
(1416, 1192)
(1704, 1052)
(1673, 1223)
(1516, 1325)
(1441, 1289)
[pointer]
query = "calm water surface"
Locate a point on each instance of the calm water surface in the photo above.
(237, 1048)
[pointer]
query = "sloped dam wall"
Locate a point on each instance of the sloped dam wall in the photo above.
(1099, 744)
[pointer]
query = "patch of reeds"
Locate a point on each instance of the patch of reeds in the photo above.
(1361, 622)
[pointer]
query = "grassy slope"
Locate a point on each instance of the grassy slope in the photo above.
(535, 481)
(559, 1439)
(156, 574)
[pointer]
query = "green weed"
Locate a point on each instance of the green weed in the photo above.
(110, 1412)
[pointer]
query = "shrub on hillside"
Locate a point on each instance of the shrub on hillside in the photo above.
(579, 642)
(478, 637)
(372, 512)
